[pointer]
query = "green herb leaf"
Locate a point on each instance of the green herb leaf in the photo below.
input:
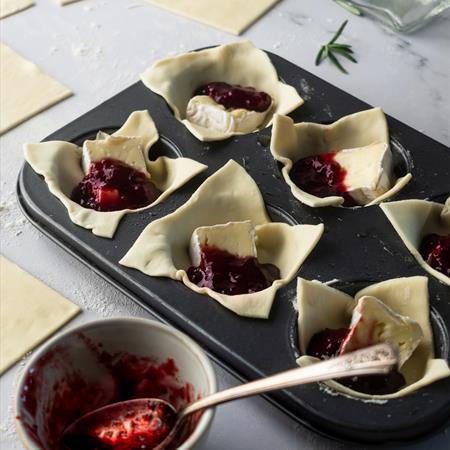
(345, 54)
(320, 55)
(335, 61)
(338, 32)
(333, 48)
(349, 7)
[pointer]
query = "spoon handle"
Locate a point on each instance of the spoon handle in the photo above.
(378, 359)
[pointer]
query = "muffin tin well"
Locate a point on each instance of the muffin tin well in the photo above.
(358, 245)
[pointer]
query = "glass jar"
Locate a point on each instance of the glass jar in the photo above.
(402, 15)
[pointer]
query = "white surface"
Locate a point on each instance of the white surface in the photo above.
(97, 48)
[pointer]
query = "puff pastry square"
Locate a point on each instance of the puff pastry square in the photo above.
(229, 195)
(321, 306)
(176, 78)
(25, 90)
(233, 16)
(30, 313)
(291, 142)
(59, 163)
(413, 220)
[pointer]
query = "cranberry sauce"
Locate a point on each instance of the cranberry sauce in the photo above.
(327, 344)
(235, 96)
(112, 185)
(322, 176)
(228, 274)
(435, 250)
(57, 392)
(137, 430)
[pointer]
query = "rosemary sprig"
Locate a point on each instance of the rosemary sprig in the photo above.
(333, 48)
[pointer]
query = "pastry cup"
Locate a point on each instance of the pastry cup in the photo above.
(229, 195)
(59, 162)
(321, 307)
(176, 78)
(291, 142)
(413, 220)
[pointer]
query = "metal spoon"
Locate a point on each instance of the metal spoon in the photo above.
(158, 420)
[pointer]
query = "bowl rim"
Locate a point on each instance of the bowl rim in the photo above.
(206, 418)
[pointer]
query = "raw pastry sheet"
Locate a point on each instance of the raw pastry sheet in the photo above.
(232, 16)
(30, 312)
(25, 90)
(10, 7)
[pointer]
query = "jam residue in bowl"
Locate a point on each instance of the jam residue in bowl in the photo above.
(112, 185)
(137, 430)
(322, 176)
(234, 96)
(231, 275)
(327, 344)
(435, 250)
(48, 409)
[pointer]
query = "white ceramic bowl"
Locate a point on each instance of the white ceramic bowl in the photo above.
(68, 375)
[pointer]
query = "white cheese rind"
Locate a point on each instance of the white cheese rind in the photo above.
(126, 149)
(237, 238)
(373, 322)
(204, 111)
(369, 171)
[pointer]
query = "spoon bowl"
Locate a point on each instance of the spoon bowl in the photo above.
(152, 424)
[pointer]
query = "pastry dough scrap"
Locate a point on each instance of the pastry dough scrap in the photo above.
(176, 79)
(30, 313)
(25, 90)
(10, 7)
(229, 195)
(291, 142)
(321, 306)
(59, 163)
(413, 220)
(233, 16)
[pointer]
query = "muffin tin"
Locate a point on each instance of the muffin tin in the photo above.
(359, 247)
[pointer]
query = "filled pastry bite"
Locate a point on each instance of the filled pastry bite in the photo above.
(424, 227)
(228, 108)
(348, 163)
(224, 259)
(331, 323)
(223, 91)
(111, 175)
(225, 225)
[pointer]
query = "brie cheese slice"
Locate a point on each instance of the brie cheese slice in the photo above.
(373, 322)
(237, 238)
(126, 149)
(204, 111)
(369, 171)
(445, 213)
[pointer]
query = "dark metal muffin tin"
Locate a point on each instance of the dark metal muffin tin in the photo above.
(358, 247)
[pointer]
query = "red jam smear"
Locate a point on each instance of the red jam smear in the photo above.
(48, 409)
(322, 176)
(234, 96)
(228, 274)
(327, 344)
(136, 431)
(112, 185)
(435, 250)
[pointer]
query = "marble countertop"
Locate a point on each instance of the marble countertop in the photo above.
(98, 47)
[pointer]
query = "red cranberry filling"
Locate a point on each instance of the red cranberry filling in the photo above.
(435, 250)
(322, 176)
(236, 96)
(327, 343)
(137, 431)
(126, 377)
(112, 185)
(228, 274)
